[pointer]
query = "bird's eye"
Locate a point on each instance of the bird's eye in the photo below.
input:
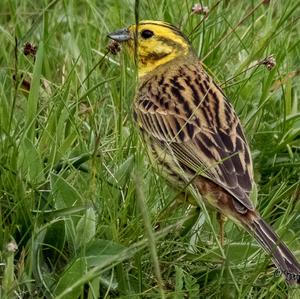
(147, 33)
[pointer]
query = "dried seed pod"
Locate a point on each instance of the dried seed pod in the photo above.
(25, 84)
(113, 47)
(269, 62)
(29, 49)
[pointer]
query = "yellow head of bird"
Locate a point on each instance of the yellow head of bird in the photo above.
(157, 43)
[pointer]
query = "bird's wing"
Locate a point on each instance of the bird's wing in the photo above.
(189, 114)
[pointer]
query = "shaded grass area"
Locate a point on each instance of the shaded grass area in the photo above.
(83, 214)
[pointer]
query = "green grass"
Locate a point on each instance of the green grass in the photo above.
(89, 216)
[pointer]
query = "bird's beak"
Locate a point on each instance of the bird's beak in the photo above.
(121, 35)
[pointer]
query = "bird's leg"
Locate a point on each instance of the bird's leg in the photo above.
(221, 219)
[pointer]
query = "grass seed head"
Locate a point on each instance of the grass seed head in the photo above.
(113, 47)
(29, 49)
(269, 62)
(199, 9)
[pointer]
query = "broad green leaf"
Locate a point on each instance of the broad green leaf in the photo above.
(123, 172)
(73, 273)
(99, 250)
(29, 160)
(86, 228)
(65, 195)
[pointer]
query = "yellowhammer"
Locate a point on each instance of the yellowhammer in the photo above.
(192, 132)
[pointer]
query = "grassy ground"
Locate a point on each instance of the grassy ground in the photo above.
(83, 214)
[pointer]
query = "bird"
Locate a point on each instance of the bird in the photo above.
(192, 132)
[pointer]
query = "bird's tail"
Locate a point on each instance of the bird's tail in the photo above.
(282, 257)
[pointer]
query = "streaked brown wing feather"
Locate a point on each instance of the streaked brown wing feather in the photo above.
(188, 112)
